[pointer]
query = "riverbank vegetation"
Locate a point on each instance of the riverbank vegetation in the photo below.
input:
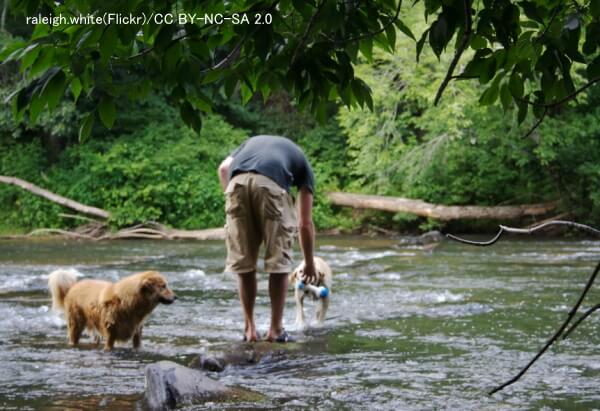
(150, 166)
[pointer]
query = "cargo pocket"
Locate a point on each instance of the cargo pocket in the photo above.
(288, 236)
(233, 200)
(273, 202)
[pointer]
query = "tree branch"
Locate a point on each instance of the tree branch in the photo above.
(371, 34)
(229, 58)
(554, 337)
(171, 43)
(573, 310)
(537, 124)
(505, 229)
(459, 51)
(583, 317)
(562, 100)
(307, 31)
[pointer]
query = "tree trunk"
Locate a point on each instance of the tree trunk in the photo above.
(32, 188)
(437, 211)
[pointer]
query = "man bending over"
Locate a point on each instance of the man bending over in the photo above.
(257, 178)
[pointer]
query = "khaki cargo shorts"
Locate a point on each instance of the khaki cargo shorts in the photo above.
(259, 212)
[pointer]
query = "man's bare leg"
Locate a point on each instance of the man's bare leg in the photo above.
(247, 294)
(278, 285)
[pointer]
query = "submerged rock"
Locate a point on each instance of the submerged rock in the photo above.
(239, 355)
(169, 385)
(430, 238)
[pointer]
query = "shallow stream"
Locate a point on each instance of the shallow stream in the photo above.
(408, 328)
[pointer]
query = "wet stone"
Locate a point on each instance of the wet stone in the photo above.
(241, 355)
(170, 385)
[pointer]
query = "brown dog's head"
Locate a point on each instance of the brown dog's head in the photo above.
(155, 288)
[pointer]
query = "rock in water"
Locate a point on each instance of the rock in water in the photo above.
(169, 385)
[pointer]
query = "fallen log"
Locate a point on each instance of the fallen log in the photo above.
(63, 201)
(98, 230)
(438, 211)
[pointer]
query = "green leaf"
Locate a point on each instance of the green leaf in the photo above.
(200, 101)
(593, 69)
(36, 106)
(19, 103)
(108, 42)
(404, 29)
(29, 55)
(43, 62)
(505, 97)
(86, 127)
(357, 90)
(76, 88)
(164, 36)
(595, 8)
(390, 32)
(230, 84)
(439, 35)
(303, 8)
(107, 111)
(489, 95)
(40, 30)
(533, 11)
(515, 85)
(54, 88)
(421, 43)
(366, 48)
(478, 42)
(246, 92)
(522, 114)
(190, 116)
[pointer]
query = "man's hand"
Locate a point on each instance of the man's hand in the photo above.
(309, 274)
(224, 172)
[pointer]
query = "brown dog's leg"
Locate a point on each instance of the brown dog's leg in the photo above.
(137, 339)
(110, 343)
(75, 326)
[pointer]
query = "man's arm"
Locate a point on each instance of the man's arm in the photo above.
(306, 229)
(224, 171)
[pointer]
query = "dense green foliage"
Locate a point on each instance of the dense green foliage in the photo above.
(526, 52)
(260, 50)
(463, 153)
(151, 167)
(161, 172)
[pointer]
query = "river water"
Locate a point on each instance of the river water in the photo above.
(408, 328)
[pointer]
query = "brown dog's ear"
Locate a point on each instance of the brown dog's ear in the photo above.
(148, 284)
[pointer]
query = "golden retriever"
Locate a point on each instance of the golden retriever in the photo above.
(114, 311)
(319, 290)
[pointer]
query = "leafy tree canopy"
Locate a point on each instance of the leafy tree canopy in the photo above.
(525, 52)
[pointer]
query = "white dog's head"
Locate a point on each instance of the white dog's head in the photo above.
(323, 273)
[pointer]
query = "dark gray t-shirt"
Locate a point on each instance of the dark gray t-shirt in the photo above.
(278, 158)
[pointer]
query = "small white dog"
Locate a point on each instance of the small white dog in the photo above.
(319, 290)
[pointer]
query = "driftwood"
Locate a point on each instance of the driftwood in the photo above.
(154, 231)
(32, 188)
(437, 211)
(561, 330)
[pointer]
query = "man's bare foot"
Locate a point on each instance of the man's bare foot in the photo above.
(250, 337)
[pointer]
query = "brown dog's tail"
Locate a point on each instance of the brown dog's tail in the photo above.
(59, 282)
